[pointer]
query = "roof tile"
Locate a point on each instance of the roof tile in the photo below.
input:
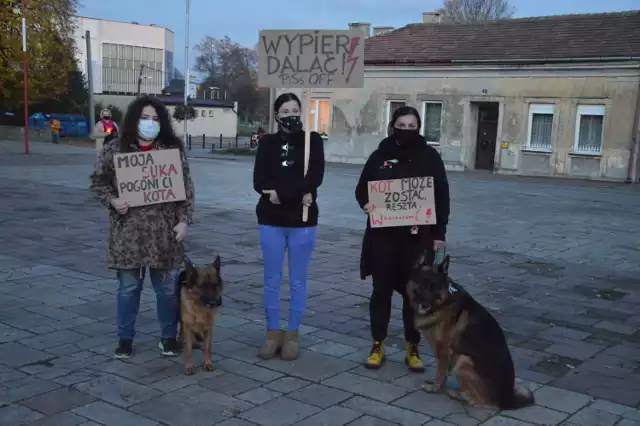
(539, 39)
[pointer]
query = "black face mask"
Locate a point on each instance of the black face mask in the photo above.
(291, 123)
(403, 136)
(107, 117)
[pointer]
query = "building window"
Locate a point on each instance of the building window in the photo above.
(540, 127)
(121, 66)
(431, 122)
(589, 129)
(392, 106)
(319, 116)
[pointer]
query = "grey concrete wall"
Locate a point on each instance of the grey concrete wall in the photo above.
(359, 115)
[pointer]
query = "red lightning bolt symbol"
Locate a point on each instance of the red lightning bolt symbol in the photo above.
(352, 50)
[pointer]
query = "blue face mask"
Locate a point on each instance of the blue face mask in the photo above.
(148, 129)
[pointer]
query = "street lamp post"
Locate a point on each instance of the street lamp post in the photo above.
(187, 74)
(25, 77)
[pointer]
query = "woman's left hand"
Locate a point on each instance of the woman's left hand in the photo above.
(181, 231)
(307, 199)
(438, 245)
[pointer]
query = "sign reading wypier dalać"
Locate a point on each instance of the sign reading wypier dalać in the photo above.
(151, 177)
(402, 202)
(311, 59)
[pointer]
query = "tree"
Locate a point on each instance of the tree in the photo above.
(234, 70)
(179, 113)
(50, 47)
(476, 11)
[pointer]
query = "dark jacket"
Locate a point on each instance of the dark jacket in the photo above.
(414, 159)
(279, 166)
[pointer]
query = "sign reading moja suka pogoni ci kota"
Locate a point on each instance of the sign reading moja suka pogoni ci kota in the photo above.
(402, 202)
(151, 177)
(311, 59)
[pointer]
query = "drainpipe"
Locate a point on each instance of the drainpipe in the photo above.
(634, 138)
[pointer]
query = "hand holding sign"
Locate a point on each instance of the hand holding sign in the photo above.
(307, 200)
(120, 205)
(368, 208)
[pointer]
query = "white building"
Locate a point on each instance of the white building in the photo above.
(121, 51)
(212, 119)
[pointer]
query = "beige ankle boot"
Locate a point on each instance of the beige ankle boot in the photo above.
(291, 346)
(272, 345)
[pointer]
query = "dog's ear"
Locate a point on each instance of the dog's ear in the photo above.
(422, 260)
(191, 273)
(443, 267)
(216, 263)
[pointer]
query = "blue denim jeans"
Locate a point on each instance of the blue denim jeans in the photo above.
(299, 243)
(128, 301)
(55, 137)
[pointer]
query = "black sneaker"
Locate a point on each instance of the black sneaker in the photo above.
(169, 347)
(124, 349)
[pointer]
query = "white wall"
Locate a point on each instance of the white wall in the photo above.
(103, 31)
(211, 122)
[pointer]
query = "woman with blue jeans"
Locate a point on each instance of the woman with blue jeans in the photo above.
(145, 236)
(284, 189)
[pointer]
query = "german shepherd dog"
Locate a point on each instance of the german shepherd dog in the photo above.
(466, 340)
(199, 296)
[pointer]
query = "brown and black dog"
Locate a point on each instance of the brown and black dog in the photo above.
(466, 340)
(199, 296)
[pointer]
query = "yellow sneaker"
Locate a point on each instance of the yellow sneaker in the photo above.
(376, 357)
(413, 360)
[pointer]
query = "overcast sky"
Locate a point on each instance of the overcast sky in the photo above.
(242, 19)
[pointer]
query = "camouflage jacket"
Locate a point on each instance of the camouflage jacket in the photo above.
(144, 236)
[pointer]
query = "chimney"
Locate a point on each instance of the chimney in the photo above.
(365, 27)
(381, 30)
(431, 18)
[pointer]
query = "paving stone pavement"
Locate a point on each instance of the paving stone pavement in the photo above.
(556, 261)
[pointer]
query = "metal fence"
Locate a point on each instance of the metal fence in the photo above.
(220, 143)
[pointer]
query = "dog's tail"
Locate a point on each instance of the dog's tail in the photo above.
(520, 398)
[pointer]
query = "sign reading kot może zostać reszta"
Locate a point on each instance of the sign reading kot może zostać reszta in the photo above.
(402, 202)
(311, 59)
(152, 177)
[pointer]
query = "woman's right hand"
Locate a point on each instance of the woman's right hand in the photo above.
(120, 205)
(273, 196)
(368, 208)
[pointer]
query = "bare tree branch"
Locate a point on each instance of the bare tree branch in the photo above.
(233, 69)
(476, 11)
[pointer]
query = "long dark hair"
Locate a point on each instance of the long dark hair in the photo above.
(129, 133)
(285, 97)
(401, 112)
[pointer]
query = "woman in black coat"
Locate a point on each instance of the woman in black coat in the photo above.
(388, 254)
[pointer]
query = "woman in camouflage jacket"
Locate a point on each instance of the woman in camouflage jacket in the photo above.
(146, 236)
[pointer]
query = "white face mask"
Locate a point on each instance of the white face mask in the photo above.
(148, 129)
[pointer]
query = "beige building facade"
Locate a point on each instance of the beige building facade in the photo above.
(541, 116)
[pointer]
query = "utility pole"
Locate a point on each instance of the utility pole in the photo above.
(187, 75)
(25, 77)
(92, 113)
(140, 78)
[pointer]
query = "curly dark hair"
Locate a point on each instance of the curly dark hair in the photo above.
(129, 132)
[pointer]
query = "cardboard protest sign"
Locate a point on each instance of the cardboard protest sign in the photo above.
(311, 59)
(151, 177)
(402, 202)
